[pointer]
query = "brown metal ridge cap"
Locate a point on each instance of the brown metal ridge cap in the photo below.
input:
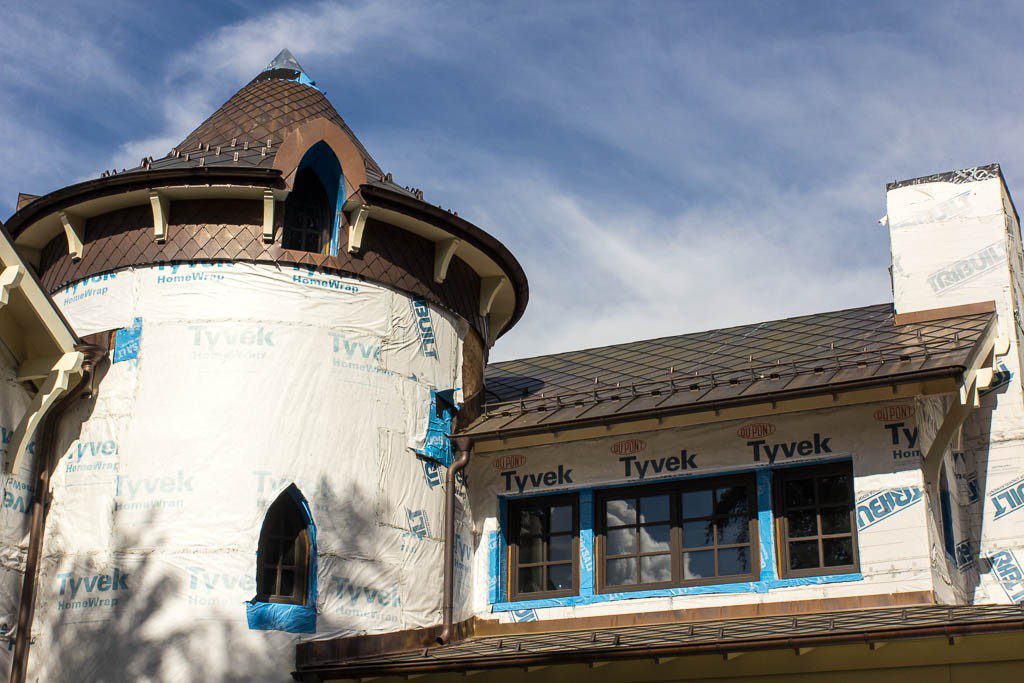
(459, 227)
(136, 180)
(619, 651)
(953, 371)
(933, 314)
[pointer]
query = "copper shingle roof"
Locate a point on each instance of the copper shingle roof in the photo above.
(809, 353)
(249, 128)
(320, 660)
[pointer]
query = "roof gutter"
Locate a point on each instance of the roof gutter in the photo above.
(138, 180)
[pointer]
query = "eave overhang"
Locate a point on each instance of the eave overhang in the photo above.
(481, 251)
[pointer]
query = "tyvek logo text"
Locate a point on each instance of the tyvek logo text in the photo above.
(1008, 571)
(88, 587)
(556, 477)
(641, 468)
(1008, 498)
(425, 327)
(884, 504)
(817, 445)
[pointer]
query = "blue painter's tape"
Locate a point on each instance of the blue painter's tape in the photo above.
(726, 588)
(587, 548)
(126, 345)
(494, 567)
(765, 525)
(273, 616)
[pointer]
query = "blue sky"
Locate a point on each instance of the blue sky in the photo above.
(657, 168)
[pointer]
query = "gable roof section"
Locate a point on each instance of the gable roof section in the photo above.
(748, 363)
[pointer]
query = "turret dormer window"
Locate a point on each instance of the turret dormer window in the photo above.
(307, 214)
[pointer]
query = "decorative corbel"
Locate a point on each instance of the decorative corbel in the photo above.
(10, 278)
(443, 253)
(268, 216)
(356, 228)
(74, 230)
(161, 213)
(57, 383)
(489, 288)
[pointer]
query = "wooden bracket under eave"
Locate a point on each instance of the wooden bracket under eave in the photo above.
(443, 253)
(74, 230)
(10, 278)
(268, 216)
(356, 229)
(489, 288)
(161, 213)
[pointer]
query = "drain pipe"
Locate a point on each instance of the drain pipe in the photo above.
(43, 465)
(464, 447)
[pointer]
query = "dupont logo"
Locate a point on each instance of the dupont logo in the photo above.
(755, 430)
(629, 446)
(508, 462)
(893, 413)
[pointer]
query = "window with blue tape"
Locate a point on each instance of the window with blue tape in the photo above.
(286, 568)
(437, 445)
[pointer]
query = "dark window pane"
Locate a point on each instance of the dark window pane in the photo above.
(698, 534)
(560, 549)
(621, 541)
(835, 520)
(621, 572)
(531, 549)
(654, 538)
(622, 511)
(835, 489)
(733, 530)
(838, 551)
(654, 509)
(803, 555)
(561, 518)
(530, 579)
(559, 577)
(731, 501)
(733, 561)
(799, 492)
(531, 522)
(697, 503)
(655, 569)
(289, 552)
(699, 565)
(803, 523)
(287, 582)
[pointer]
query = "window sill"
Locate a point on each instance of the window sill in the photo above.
(280, 616)
(762, 586)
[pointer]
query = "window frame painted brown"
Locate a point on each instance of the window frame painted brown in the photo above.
(675, 490)
(515, 507)
(300, 565)
(779, 479)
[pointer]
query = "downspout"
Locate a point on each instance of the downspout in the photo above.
(41, 498)
(464, 447)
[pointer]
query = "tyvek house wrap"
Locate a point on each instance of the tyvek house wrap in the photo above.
(881, 440)
(247, 379)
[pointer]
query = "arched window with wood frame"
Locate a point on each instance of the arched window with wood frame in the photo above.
(307, 214)
(284, 555)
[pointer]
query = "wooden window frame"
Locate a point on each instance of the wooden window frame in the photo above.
(676, 548)
(300, 566)
(514, 508)
(782, 523)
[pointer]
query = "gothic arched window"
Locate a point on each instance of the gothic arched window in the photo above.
(284, 551)
(307, 214)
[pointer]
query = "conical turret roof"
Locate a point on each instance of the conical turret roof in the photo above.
(249, 128)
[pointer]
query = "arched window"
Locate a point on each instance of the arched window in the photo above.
(284, 551)
(307, 214)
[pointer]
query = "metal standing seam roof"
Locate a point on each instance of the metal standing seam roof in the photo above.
(824, 351)
(674, 638)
